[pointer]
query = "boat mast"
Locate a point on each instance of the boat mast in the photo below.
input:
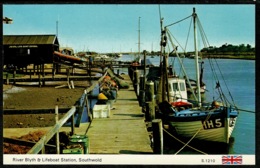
(196, 57)
(139, 38)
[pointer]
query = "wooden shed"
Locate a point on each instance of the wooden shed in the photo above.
(22, 50)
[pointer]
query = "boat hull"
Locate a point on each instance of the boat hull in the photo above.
(213, 130)
(214, 125)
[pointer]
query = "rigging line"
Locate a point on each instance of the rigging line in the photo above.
(178, 21)
(175, 40)
(204, 34)
(184, 142)
(214, 75)
(174, 51)
(248, 111)
(225, 83)
(188, 35)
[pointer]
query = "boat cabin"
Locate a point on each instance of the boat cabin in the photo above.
(177, 89)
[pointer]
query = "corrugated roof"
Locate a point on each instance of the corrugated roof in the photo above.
(28, 39)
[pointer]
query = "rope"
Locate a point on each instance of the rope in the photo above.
(188, 142)
(184, 143)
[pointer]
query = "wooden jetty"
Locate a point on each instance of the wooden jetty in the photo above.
(124, 132)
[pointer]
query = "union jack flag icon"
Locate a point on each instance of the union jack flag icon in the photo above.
(232, 160)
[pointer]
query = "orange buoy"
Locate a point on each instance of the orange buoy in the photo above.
(107, 77)
(101, 96)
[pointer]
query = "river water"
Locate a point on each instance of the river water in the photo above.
(239, 76)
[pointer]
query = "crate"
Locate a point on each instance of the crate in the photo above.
(101, 111)
(73, 151)
(80, 139)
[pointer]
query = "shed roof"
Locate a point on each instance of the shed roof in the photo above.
(29, 39)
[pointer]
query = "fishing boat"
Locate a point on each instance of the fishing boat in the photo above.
(212, 122)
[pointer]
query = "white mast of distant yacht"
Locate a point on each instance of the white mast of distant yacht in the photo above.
(196, 57)
(139, 38)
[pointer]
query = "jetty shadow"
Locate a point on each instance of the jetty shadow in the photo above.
(126, 99)
(132, 152)
(131, 115)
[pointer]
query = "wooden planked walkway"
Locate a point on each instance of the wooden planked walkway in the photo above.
(124, 132)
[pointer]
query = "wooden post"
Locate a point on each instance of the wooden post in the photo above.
(142, 91)
(30, 74)
(43, 150)
(141, 98)
(68, 77)
(57, 134)
(72, 84)
(117, 71)
(88, 108)
(147, 112)
(157, 136)
(43, 75)
(53, 70)
(72, 125)
(149, 91)
(33, 69)
(150, 111)
(39, 75)
(7, 80)
(14, 74)
(142, 84)
(136, 82)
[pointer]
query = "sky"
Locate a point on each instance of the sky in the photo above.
(115, 28)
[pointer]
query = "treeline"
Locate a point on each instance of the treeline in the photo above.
(230, 49)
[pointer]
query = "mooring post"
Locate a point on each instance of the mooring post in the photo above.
(57, 134)
(136, 82)
(157, 136)
(142, 91)
(142, 84)
(141, 98)
(149, 97)
(149, 91)
(150, 111)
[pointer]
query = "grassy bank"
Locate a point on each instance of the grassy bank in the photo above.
(246, 57)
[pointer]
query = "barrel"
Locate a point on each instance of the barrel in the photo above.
(82, 140)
